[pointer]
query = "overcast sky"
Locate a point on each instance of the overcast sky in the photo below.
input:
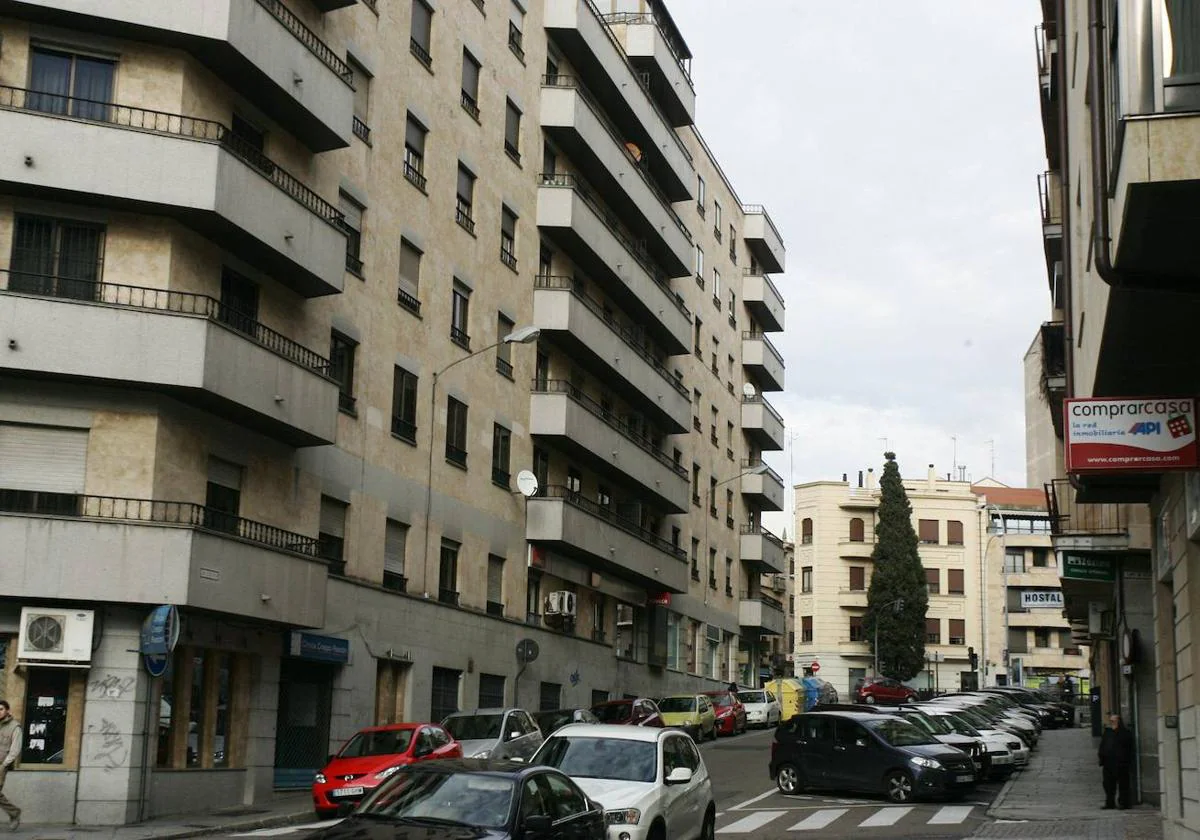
(896, 146)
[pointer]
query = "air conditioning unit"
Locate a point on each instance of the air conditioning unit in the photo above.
(561, 603)
(50, 635)
(778, 583)
(624, 615)
(713, 633)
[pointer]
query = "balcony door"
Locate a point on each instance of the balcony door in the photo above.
(55, 257)
(239, 301)
(67, 83)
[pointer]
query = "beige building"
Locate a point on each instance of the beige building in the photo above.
(291, 291)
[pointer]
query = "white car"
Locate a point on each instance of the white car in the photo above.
(1006, 751)
(652, 782)
(762, 709)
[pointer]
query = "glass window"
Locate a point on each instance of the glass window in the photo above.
(420, 32)
(410, 268)
(55, 257)
(806, 579)
(460, 309)
(448, 572)
(78, 85)
(1014, 561)
(414, 151)
(456, 432)
(444, 696)
(508, 238)
(362, 90)
(857, 634)
(465, 197)
(470, 83)
(341, 368)
(394, 550)
(501, 454)
(404, 404)
(512, 130)
(806, 531)
(491, 691)
(46, 694)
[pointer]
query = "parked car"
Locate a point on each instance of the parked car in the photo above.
(883, 690)
(558, 718)
(652, 782)
(495, 733)
(457, 798)
(867, 752)
(639, 711)
(372, 756)
(731, 714)
(693, 713)
(1002, 748)
(762, 709)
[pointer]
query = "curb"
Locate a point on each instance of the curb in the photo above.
(145, 831)
(274, 821)
(1003, 794)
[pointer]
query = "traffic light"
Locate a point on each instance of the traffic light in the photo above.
(974, 657)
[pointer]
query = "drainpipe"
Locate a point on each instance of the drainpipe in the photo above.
(1102, 258)
(1064, 140)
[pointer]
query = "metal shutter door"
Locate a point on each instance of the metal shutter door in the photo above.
(42, 458)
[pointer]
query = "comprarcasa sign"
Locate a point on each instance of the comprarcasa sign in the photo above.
(1130, 435)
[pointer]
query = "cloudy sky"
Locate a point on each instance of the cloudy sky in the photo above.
(896, 146)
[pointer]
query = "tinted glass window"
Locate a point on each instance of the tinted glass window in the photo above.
(614, 713)
(377, 743)
(900, 733)
(753, 697)
(849, 732)
(471, 798)
(673, 755)
(816, 729)
(565, 798)
(601, 758)
(678, 704)
(690, 753)
(474, 727)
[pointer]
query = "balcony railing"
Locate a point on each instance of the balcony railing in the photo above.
(459, 336)
(576, 500)
(309, 39)
(746, 272)
(470, 105)
(615, 18)
(628, 333)
(758, 399)
(414, 175)
(762, 597)
(759, 210)
(408, 300)
(751, 335)
(462, 215)
(636, 249)
(186, 514)
(609, 418)
(167, 300)
(1070, 517)
(508, 258)
(1054, 353)
(750, 463)
(504, 367)
(1051, 214)
(758, 530)
(422, 54)
(361, 130)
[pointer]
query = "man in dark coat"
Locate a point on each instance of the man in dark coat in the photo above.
(1116, 757)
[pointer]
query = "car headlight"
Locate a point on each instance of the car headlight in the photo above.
(387, 773)
(625, 816)
(922, 761)
(319, 779)
(482, 754)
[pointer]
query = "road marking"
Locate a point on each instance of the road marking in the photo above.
(288, 829)
(819, 819)
(951, 815)
(751, 801)
(884, 817)
(753, 822)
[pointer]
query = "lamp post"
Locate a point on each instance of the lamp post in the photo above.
(896, 606)
(522, 335)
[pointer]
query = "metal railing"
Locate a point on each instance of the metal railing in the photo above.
(759, 399)
(462, 215)
(504, 367)
(408, 301)
(760, 210)
(167, 300)
(418, 50)
(751, 335)
(576, 500)
(361, 130)
(751, 463)
(309, 39)
(1069, 516)
(624, 331)
(1054, 353)
(618, 18)
(610, 418)
(459, 336)
(508, 258)
(404, 429)
(760, 531)
(1039, 46)
(469, 104)
(187, 514)
(746, 272)
(1051, 214)
(414, 175)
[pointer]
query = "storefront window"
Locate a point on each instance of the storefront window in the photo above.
(46, 691)
(221, 733)
(166, 704)
(197, 703)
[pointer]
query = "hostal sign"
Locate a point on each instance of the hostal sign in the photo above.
(1034, 599)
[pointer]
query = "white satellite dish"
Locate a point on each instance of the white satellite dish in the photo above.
(748, 390)
(527, 483)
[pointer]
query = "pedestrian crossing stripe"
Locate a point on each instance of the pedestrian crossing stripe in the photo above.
(884, 817)
(819, 819)
(824, 817)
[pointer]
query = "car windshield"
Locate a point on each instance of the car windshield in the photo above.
(721, 700)
(752, 696)
(613, 712)
(930, 724)
(959, 725)
(677, 704)
(474, 727)
(899, 733)
(601, 758)
(974, 718)
(473, 799)
(386, 742)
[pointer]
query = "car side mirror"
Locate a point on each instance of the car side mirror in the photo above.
(538, 824)
(679, 776)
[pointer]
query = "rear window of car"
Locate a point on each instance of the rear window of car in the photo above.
(613, 712)
(752, 696)
(474, 727)
(677, 704)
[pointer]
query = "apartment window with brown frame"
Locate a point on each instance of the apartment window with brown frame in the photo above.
(857, 633)
(954, 532)
(858, 578)
(933, 631)
(806, 579)
(806, 532)
(927, 531)
(858, 530)
(933, 581)
(954, 582)
(958, 631)
(806, 631)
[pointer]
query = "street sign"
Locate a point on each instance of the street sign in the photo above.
(815, 667)
(527, 651)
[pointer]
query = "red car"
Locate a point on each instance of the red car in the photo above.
(731, 714)
(640, 711)
(884, 691)
(372, 756)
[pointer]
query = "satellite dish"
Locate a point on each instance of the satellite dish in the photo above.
(527, 651)
(748, 390)
(527, 483)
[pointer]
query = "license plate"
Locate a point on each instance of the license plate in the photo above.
(350, 791)
(964, 778)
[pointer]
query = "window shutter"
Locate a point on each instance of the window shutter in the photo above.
(42, 458)
(410, 267)
(933, 579)
(927, 530)
(224, 473)
(954, 581)
(958, 631)
(857, 530)
(858, 578)
(414, 135)
(352, 210)
(495, 578)
(954, 532)
(466, 182)
(470, 75)
(333, 517)
(933, 629)
(393, 547)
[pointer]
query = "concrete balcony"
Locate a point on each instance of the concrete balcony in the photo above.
(193, 170)
(562, 306)
(762, 361)
(183, 344)
(762, 614)
(855, 549)
(1051, 658)
(762, 549)
(137, 551)
(1052, 619)
(576, 28)
(259, 48)
(594, 534)
(762, 423)
(763, 239)
(763, 301)
(656, 50)
(578, 222)
(572, 117)
(764, 490)
(598, 438)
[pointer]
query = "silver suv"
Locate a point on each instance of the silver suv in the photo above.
(495, 733)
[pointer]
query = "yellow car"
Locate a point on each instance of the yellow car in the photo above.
(693, 713)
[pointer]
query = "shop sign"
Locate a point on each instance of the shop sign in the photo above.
(1130, 435)
(316, 648)
(1033, 599)
(1088, 567)
(661, 599)
(160, 634)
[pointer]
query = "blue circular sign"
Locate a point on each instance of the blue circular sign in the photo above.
(156, 663)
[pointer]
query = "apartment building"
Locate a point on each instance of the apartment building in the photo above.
(291, 292)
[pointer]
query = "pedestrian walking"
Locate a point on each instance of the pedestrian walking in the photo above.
(733, 687)
(10, 748)
(1116, 757)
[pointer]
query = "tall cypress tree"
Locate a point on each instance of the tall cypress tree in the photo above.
(897, 598)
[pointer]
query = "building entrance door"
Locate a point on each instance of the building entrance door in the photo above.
(302, 725)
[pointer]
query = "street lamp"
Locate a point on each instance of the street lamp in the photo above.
(896, 606)
(523, 335)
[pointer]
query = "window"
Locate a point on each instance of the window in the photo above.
(48, 714)
(695, 559)
(933, 631)
(70, 84)
(1018, 640)
(362, 100)
(954, 581)
(460, 310)
(331, 539)
(858, 578)
(456, 432)
(806, 531)
(501, 455)
(202, 691)
(728, 575)
(806, 579)
(491, 691)
(55, 257)
(712, 568)
(504, 327)
(1014, 561)
(958, 631)
(448, 572)
(733, 244)
(699, 266)
(549, 696)
(341, 369)
(414, 151)
(470, 84)
(1040, 558)
(700, 195)
(954, 532)
(695, 483)
(395, 540)
(716, 289)
(508, 238)
(420, 36)
(792, 605)
(495, 585)
(239, 302)
(410, 277)
(352, 213)
(1041, 638)
(729, 508)
(404, 404)
(574, 480)
(806, 633)
(712, 496)
(541, 468)
(857, 633)
(516, 30)
(933, 581)
(223, 496)
(603, 496)
(927, 531)
(444, 693)
(512, 130)
(857, 530)
(465, 200)
(717, 220)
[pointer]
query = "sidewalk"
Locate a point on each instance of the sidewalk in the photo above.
(1059, 795)
(287, 809)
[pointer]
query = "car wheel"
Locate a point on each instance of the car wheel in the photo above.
(898, 786)
(869, 699)
(714, 733)
(708, 831)
(787, 779)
